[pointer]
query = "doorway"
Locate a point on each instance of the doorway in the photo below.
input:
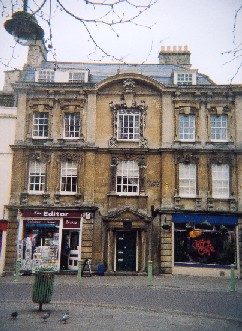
(126, 251)
(70, 252)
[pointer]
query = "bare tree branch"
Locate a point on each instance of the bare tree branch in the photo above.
(109, 13)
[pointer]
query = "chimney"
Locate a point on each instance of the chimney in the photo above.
(179, 55)
(37, 53)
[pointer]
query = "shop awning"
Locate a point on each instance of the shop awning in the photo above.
(200, 218)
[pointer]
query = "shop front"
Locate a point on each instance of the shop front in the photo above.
(42, 237)
(205, 241)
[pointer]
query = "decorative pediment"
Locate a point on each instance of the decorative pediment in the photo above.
(127, 213)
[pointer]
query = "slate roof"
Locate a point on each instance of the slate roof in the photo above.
(100, 71)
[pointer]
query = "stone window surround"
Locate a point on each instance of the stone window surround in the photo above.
(186, 110)
(186, 158)
(127, 157)
(220, 110)
(220, 159)
(65, 106)
(115, 107)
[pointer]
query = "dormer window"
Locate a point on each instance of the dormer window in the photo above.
(76, 77)
(45, 76)
(185, 78)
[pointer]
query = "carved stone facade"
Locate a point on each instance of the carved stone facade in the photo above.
(119, 147)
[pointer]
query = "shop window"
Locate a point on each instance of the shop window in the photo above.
(68, 177)
(219, 127)
(72, 125)
(37, 176)
(220, 181)
(187, 180)
(40, 244)
(204, 243)
(40, 125)
(127, 179)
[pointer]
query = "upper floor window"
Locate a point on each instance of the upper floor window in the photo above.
(37, 176)
(40, 124)
(186, 127)
(220, 181)
(76, 77)
(187, 180)
(68, 177)
(128, 125)
(128, 122)
(219, 127)
(185, 78)
(46, 76)
(72, 125)
(127, 178)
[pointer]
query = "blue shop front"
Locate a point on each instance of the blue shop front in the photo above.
(205, 244)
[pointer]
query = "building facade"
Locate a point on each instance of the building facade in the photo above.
(8, 116)
(126, 163)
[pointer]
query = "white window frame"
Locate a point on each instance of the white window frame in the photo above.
(128, 125)
(45, 76)
(220, 181)
(68, 177)
(187, 180)
(40, 128)
(127, 178)
(186, 127)
(36, 179)
(219, 127)
(71, 128)
(185, 78)
(77, 76)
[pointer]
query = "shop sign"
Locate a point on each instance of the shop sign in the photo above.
(3, 225)
(71, 223)
(41, 223)
(50, 213)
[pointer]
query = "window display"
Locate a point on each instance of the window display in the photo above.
(39, 246)
(204, 243)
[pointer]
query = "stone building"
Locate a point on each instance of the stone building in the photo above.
(126, 163)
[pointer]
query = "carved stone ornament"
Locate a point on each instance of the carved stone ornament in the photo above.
(69, 156)
(40, 156)
(129, 85)
(187, 158)
(220, 159)
(121, 107)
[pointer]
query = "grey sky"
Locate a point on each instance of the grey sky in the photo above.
(205, 26)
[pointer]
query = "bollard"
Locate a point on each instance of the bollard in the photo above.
(232, 278)
(150, 273)
(79, 270)
(17, 270)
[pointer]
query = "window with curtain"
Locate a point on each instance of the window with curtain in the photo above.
(187, 180)
(220, 181)
(68, 177)
(127, 179)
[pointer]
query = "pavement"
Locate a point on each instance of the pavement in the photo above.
(111, 315)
